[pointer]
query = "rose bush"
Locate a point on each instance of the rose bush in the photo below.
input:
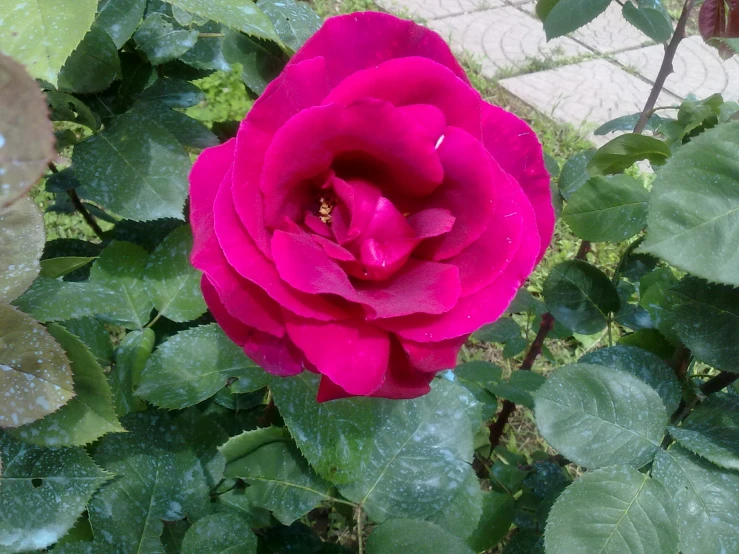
(372, 212)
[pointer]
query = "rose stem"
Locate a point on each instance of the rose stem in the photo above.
(80, 207)
(547, 320)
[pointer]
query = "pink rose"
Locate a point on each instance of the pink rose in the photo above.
(372, 212)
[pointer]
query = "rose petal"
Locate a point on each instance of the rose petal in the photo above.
(243, 255)
(357, 41)
(515, 147)
(300, 86)
(424, 82)
(428, 116)
(433, 356)
(431, 223)
(468, 192)
(353, 355)
(425, 287)
(401, 380)
(243, 299)
(275, 355)
(310, 143)
(473, 311)
(206, 177)
(485, 259)
(358, 200)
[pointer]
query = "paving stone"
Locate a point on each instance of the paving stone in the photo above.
(503, 38)
(698, 69)
(607, 33)
(584, 95)
(434, 9)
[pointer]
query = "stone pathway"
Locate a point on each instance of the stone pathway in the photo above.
(600, 72)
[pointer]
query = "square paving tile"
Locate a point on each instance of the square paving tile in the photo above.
(434, 9)
(591, 92)
(698, 69)
(503, 37)
(607, 33)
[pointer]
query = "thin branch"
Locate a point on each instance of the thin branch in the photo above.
(80, 207)
(666, 68)
(547, 322)
(719, 382)
(360, 537)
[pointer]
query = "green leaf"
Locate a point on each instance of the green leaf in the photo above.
(543, 7)
(611, 511)
(524, 301)
(65, 107)
(120, 18)
(237, 449)
(239, 14)
(34, 370)
(519, 388)
(525, 542)
(628, 122)
(644, 365)
(120, 268)
(173, 93)
(706, 498)
(85, 418)
(693, 222)
(93, 65)
(501, 331)
(580, 296)
(281, 481)
(612, 208)
(172, 284)
(696, 115)
(134, 168)
(574, 173)
(53, 300)
(235, 501)
(147, 234)
(201, 361)
(712, 431)
(569, 15)
(21, 245)
(161, 41)
(208, 51)
(42, 493)
(42, 35)
(261, 61)
(59, 267)
(294, 22)
(28, 137)
(598, 416)
(413, 537)
(173, 535)
(497, 516)
(706, 319)
(188, 131)
(633, 266)
(650, 340)
(431, 435)
(95, 336)
(624, 151)
(650, 17)
(130, 358)
(160, 478)
(461, 516)
(204, 434)
(220, 534)
(332, 433)
(475, 377)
